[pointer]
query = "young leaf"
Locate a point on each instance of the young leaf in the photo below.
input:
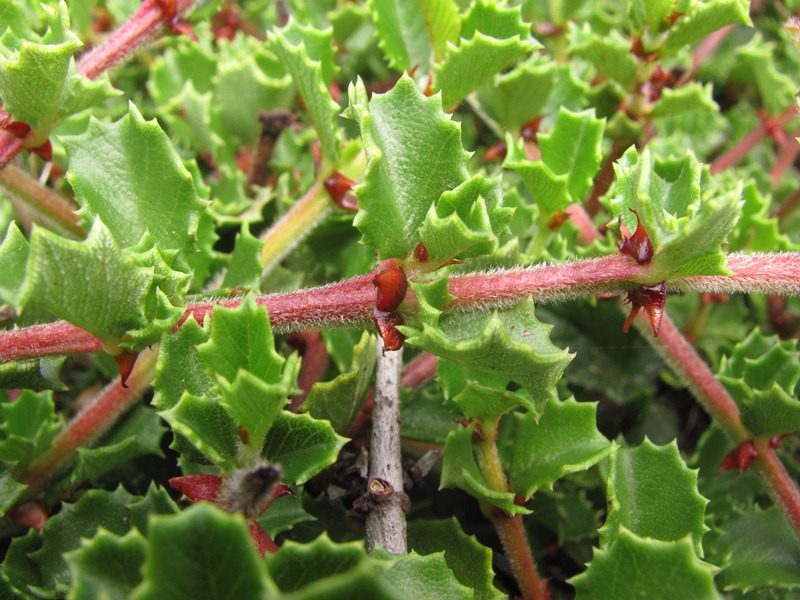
(685, 223)
(112, 296)
(308, 56)
(339, 400)
(122, 172)
(609, 53)
(704, 18)
(302, 445)
(674, 508)
(564, 440)
(39, 84)
(758, 551)
(761, 373)
(107, 566)
(491, 38)
(692, 96)
(460, 470)
(201, 552)
(663, 570)
(414, 154)
(470, 561)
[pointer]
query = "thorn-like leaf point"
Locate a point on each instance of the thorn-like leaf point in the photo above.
(652, 299)
(125, 359)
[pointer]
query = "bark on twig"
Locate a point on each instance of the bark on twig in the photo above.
(386, 521)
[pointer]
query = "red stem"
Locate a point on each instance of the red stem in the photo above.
(511, 532)
(779, 483)
(787, 154)
(735, 155)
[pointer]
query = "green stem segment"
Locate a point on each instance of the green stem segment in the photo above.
(106, 408)
(510, 530)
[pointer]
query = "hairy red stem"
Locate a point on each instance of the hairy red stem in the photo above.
(778, 482)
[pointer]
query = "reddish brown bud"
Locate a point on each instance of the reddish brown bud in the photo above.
(638, 246)
(557, 220)
(339, 188)
(18, 129)
(530, 130)
(31, 514)
(45, 151)
(386, 323)
(739, 458)
(125, 359)
(496, 152)
(421, 253)
(392, 287)
(652, 299)
(775, 441)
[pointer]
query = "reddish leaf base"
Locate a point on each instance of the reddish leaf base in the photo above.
(173, 22)
(741, 457)
(652, 299)
(339, 188)
(30, 514)
(638, 246)
(125, 359)
(392, 287)
(205, 488)
(20, 131)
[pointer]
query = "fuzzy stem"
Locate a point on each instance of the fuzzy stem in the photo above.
(10, 146)
(106, 408)
(690, 366)
(510, 530)
(294, 226)
(351, 302)
(386, 521)
(53, 208)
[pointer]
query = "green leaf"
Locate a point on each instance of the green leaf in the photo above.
(491, 39)
(466, 221)
(761, 374)
(692, 96)
(512, 344)
(29, 426)
(460, 470)
(244, 268)
(63, 275)
(14, 253)
(403, 33)
(339, 400)
(757, 230)
(652, 13)
(290, 570)
(414, 154)
(608, 53)
(302, 445)
(685, 218)
(759, 551)
(308, 56)
(417, 576)
(704, 18)
(179, 367)
(564, 440)
(139, 434)
(775, 88)
(205, 423)
(37, 374)
(39, 84)
(107, 566)
(673, 508)
(11, 491)
(122, 172)
(470, 562)
(201, 552)
(663, 570)
(283, 514)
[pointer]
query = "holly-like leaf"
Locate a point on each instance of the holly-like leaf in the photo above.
(96, 285)
(470, 561)
(512, 344)
(413, 34)
(244, 268)
(460, 470)
(685, 218)
(674, 508)
(414, 154)
(761, 373)
(124, 172)
(415, 576)
(201, 552)
(14, 253)
(308, 56)
(39, 84)
(564, 440)
(107, 566)
(704, 18)
(491, 38)
(180, 368)
(339, 400)
(775, 88)
(302, 445)
(36, 374)
(692, 96)
(466, 221)
(757, 230)
(663, 570)
(289, 567)
(652, 14)
(758, 551)
(283, 514)
(609, 53)
(29, 426)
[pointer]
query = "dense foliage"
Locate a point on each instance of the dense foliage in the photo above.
(219, 221)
